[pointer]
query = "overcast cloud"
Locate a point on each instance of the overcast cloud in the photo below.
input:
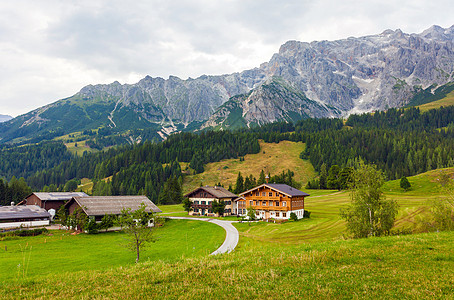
(50, 49)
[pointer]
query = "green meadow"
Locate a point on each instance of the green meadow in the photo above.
(311, 258)
(60, 252)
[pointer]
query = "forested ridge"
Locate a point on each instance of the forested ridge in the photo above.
(401, 142)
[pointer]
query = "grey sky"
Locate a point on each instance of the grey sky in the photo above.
(50, 49)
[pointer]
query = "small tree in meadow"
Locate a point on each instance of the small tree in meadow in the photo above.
(405, 184)
(369, 213)
(135, 224)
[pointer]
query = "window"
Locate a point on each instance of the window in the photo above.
(257, 194)
(271, 203)
(196, 202)
(277, 214)
(284, 215)
(196, 210)
(277, 194)
(263, 203)
(270, 194)
(251, 202)
(277, 203)
(284, 203)
(263, 194)
(203, 202)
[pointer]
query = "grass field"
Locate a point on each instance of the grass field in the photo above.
(400, 267)
(273, 158)
(325, 223)
(447, 101)
(61, 252)
(309, 258)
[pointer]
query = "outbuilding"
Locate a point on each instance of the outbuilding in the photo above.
(23, 216)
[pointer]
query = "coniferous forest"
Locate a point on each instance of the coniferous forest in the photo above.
(401, 142)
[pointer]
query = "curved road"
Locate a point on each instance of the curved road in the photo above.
(231, 237)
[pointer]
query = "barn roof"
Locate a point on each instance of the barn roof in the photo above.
(281, 188)
(217, 191)
(22, 212)
(104, 205)
(58, 196)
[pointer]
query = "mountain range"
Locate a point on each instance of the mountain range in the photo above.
(4, 118)
(303, 80)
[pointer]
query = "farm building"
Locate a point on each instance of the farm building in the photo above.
(23, 216)
(201, 199)
(52, 200)
(271, 200)
(98, 206)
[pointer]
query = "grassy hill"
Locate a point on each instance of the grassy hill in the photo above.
(273, 158)
(447, 101)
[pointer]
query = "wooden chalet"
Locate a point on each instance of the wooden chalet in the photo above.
(98, 206)
(201, 199)
(52, 200)
(23, 216)
(272, 200)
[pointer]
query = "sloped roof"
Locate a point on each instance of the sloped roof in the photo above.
(104, 205)
(58, 196)
(217, 191)
(22, 212)
(281, 188)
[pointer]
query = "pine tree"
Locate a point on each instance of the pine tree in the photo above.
(239, 187)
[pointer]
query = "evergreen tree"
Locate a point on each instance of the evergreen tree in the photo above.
(332, 181)
(405, 184)
(323, 177)
(262, 179)
(239, 186)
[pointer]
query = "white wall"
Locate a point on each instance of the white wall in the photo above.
(24, 224)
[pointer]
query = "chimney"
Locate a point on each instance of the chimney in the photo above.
(267, 178)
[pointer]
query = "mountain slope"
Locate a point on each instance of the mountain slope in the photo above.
(317, 79)
(4, 118)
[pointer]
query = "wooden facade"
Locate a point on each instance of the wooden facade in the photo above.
(52, 200)
(275, 201)
(202, 198)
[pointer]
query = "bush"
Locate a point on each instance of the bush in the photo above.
(91, 226)
(293, 217)
(31, 232)
(306, 214)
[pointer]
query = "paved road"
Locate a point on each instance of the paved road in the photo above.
(231, 237)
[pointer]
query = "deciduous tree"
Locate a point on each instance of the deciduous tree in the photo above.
(369, 213)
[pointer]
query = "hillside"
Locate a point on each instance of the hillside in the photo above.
(446, 101)
(273, 158)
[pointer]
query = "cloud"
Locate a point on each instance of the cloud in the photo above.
(50, 49)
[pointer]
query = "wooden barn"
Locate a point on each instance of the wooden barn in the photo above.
(98, 206)
(52, 200)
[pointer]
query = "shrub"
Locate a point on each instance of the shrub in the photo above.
(293, 217)
(306, 214)
(91, 226)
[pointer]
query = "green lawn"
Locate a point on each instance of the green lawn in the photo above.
(61, 252)
(400, 267)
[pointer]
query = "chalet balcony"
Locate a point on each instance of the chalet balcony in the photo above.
(201, 206)
(266, 207)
